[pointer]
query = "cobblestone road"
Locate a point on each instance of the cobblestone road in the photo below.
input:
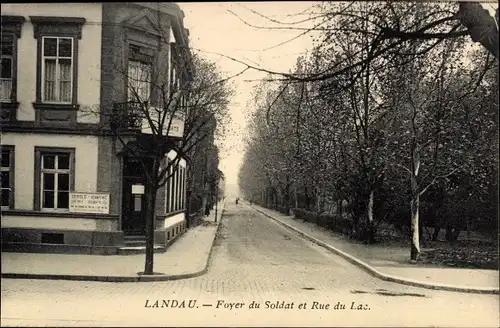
(257, 260)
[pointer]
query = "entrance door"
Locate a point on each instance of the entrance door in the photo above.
(133, 202)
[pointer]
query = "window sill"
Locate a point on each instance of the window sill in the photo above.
(9, 104)
(55, 210)
(55, 106)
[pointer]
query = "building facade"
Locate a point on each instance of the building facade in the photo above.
(69, 184)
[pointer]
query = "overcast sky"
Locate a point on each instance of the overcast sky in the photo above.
(213, 29)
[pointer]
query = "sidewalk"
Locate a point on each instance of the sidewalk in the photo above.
(391, 263)
(173, 264)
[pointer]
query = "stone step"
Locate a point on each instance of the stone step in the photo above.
(133, 237)
(134, 241)
(130, 250)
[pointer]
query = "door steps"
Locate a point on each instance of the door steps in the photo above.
(137, 245)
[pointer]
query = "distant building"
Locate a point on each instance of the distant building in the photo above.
(67, 185)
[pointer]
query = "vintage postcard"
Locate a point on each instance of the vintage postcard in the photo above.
(237, 164)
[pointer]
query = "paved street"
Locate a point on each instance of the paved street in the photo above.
(255, 259)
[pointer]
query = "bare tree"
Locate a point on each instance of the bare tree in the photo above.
(170, 106)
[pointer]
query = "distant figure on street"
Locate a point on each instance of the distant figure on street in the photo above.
(237, 199)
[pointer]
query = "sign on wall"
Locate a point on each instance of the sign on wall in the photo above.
(176, 126)
(84, 202)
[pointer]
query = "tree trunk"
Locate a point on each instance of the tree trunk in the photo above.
(480, 25)
(415, 240)
(296, 198)
(435, 234)
(318, 202)
(370, 233)
(150, 228)
(287, 200)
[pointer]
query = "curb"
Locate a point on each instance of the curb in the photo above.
(148, 278)
(376, 273)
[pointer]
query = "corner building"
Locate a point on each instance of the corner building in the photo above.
(68, 185)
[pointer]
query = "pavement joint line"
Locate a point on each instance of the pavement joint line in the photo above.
(378, 274)
(138, 278)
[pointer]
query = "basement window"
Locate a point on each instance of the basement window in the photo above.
(52, 238)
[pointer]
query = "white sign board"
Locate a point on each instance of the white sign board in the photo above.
(83, 202)
(177, 126)
(138, 189)
(176, 129)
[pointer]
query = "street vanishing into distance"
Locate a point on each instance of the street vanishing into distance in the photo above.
(255, 261)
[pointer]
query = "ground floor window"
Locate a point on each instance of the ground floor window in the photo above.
(55, 177)
(175, 198)
(7, 176)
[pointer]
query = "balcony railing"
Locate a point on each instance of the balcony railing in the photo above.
(132, 116)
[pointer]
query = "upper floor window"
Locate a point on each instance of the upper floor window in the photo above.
(139, 81)
(139, 75)
(11, 32)
(57, 59)
(7, 70)
(57, 69)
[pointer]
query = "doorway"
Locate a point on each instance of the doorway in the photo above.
(133, 201)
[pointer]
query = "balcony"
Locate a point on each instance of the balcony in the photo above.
(131, 117)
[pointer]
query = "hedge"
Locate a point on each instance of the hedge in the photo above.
(331, 222)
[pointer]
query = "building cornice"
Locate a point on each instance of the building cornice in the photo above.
(14, 22)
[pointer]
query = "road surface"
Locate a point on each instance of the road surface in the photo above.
(255, 261)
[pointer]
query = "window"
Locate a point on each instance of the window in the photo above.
(170, 189)
(184, 180)
(55, 178)
(167, 189)
(7, 177)
(174, 79)
(7, 70)
(57, 61)
(11, 32)
(139, 81)
(57, 69)
(176, 190)
(181, 188)
(140, 69)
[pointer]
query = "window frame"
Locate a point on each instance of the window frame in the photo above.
(176, 188)
(39, 152)
(167, 189)
(145, 55)
(57, 75)
(139, 66)
(11, 26)
(11, 57)
(61, 27)
(11, 170)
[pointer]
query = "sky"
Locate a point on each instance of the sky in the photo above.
(219, 28)
(215, 30)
